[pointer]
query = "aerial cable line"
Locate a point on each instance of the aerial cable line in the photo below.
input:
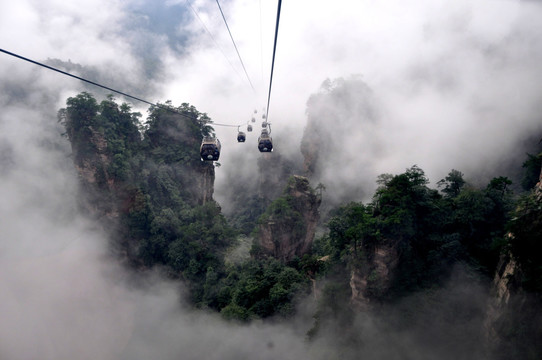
(211, 35)
(76, 77)
(233, 41)
(273, 61)
(261, 40)
(108, 88)
(227, 125)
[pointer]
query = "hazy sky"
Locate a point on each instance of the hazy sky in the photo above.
(457, 84)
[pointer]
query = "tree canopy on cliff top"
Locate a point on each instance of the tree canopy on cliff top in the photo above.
(155, 169)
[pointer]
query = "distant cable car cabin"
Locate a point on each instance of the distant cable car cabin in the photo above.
(241, 136)
(210, 149)
(264, 124)
(265, 143)
(253, 119)
(249, 128)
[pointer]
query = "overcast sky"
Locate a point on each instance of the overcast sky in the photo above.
(461, 79)
(458, 84)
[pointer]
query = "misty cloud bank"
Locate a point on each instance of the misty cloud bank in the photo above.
(64, 297)
(457, 87)
(451, 87)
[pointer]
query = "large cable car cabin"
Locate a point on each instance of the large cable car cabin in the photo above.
(265, 143)
(241, 136)
(210, 149)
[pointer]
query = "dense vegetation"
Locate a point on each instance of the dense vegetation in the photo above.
(148, 177)
(430, 230)
(433, 232)
(153, 170)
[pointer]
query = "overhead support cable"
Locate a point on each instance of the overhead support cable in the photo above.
(233, 41)
(273, 61)
(227, 125)
(261, 40)
(77, 77)
(168, 108)
(212, 37)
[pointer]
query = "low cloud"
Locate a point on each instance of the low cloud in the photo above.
(456, 86)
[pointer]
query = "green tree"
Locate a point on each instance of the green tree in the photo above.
(525, 241)
(453, 183)
(532, 167)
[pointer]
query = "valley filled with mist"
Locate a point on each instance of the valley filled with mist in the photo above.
(398, 216)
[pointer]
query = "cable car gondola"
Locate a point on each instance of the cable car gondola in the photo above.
(210, 149)
(265, 143)
(249, 128)
(241, 136)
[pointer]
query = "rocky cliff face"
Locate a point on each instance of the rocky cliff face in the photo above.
(512, 324)
(372, 280)
(117, 163)
(514, 315)
(205, 188)
(100, 194)
(329, 141)
(506, 289)
(107, 196)
(288, 227)
(274, 169)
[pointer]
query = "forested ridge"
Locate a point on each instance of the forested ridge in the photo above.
(146, 181)
(151, 176)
